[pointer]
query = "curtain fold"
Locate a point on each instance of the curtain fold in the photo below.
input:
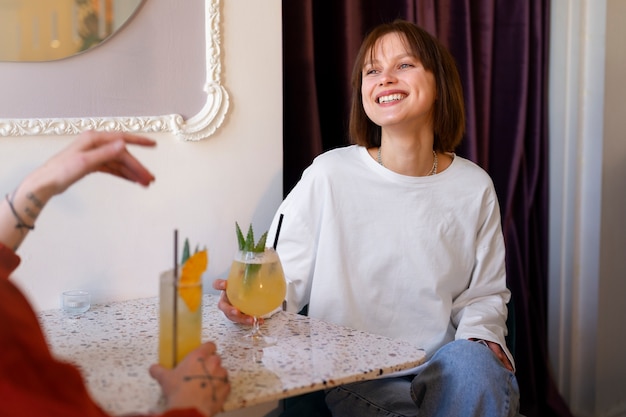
(301, 119)
(501, 49)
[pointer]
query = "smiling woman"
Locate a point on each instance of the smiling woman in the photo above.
(46, 30)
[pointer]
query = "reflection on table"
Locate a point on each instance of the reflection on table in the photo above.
(114, 344)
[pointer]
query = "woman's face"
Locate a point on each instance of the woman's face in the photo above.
(397, 91)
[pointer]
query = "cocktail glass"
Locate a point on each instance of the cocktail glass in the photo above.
(256, 286)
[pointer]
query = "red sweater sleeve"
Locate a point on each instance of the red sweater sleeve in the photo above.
(9, 261)
(32, 381)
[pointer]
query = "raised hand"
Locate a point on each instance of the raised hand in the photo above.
(91, 152)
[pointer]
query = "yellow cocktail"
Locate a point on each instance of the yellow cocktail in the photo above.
(256, 284)
(186, 324)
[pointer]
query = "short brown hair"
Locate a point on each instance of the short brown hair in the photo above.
(449, 110)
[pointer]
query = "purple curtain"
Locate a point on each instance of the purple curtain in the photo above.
(501, 48)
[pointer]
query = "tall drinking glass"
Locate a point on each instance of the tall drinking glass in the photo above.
(180, 319)
(256, 286)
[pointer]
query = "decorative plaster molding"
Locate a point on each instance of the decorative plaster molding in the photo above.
(197, 127)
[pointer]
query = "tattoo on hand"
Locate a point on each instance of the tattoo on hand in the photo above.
(206, 378)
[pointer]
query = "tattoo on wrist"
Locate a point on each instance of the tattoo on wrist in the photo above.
(33, 198)
(35, 202)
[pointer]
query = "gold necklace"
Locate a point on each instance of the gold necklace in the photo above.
(433, 170)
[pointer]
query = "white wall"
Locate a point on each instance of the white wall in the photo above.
(587, 204)
(112, 237)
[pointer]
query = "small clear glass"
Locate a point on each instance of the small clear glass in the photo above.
(75, 302)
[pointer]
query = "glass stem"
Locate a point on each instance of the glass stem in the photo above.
(256, 330)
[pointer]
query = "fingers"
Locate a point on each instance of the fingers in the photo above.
(156, 371)
(219, 284)
(219, 384)
(231, 312)
(138, 140)
(133, 170)
(219, 373)
(199, 381)
(497, 350)
(506, 362)
(127, 167)
(90, 152)
(207, 349)
(237, 316)
(106, 152)
(92, 139)
(215, 369)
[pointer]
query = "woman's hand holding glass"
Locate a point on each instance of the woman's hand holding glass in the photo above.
(230, 311)
(255, 287)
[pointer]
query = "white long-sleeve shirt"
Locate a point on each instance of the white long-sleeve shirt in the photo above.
(413, 258)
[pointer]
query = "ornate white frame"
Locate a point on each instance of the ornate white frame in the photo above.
(197, 127)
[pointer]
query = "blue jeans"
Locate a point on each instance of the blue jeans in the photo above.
(463, 378)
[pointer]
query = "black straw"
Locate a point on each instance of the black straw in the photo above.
(280, 223)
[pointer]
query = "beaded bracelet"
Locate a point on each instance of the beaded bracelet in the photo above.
(20, 223)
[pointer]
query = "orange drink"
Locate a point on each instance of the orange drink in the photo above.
(180, 315)
(256, 282)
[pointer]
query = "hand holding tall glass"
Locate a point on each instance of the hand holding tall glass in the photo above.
(256, 286)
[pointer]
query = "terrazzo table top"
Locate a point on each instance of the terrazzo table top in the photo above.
(114, 344)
